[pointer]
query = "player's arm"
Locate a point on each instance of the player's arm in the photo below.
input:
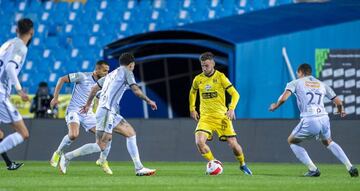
(336, 100)
(11, 71)
(282, 99)
(97, 87)
(235, 96)
(140, 94)
(192, 100)
(59, 85)
(289, 89)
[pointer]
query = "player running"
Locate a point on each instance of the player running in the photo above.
(108, 117)
(214, 115)
(12, 57)
(314, 123)
(84, 81)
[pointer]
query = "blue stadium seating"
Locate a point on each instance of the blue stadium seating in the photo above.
(70, 36)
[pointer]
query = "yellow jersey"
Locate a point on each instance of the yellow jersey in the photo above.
(212, 94)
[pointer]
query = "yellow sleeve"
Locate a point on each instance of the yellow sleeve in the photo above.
(231, 90)
(192, 95)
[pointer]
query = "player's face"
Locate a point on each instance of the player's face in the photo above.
(207, 67)
(299, 74)
(131, 66)
(102, 70)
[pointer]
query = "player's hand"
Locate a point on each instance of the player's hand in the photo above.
(342, 113)
(194, 115)
(231, 114)
(54, 102)
(152, 105)
(273, 107)
(23, 96)
(84, 109)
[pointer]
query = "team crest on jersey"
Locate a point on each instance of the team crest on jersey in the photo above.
(16, 113)
(214, 80)
(71, 117)
(207, 87)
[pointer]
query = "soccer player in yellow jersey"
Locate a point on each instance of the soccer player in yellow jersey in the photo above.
(214, 115)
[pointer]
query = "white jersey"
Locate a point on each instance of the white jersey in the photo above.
(84, 81)
(310, 93)
(113, 87)
(14, 52)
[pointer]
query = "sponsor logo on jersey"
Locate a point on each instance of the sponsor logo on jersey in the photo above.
(209, 95)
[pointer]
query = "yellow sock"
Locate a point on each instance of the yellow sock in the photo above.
(208, 156)
(241, 159)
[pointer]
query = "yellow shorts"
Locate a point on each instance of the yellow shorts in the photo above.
(222, 126)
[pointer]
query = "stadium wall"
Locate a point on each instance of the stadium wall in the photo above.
(173, 140)
(261, 73)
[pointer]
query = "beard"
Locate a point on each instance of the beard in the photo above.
(29, 42)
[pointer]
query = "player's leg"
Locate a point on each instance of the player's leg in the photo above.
(200, 139)
(9, 114)
(11, 165)
(239, 155)
(101, 140)
(294, 140)
(124, 128)
(73, 123)
(335, 148)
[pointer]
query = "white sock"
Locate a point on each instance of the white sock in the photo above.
(104, 154)
(10, 142)
(133, 151)
(64, 143)
(340, 154)
(303, 156)
(84, 150)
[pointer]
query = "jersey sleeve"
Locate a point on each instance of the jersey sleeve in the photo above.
(130, 79)
(291, 86)
(329, 92)
(76, 77)
(100, 82)
(195, 84)
(225, 82)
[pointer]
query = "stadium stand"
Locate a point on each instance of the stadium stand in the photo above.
(66, 45)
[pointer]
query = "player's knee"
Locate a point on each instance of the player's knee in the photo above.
(326, 142)
(1, 135)
(200, 143)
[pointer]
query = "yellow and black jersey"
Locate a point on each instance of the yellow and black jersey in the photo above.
(212, 94)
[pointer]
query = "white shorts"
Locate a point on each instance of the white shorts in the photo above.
(313, 127)
(8, 113)
(107, 120)
(87, 121)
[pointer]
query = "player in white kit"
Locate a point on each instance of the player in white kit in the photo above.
(83, 81)
(12, 56)
(314, 122)
(108, 117)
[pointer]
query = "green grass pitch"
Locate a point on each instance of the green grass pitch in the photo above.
(175, 176)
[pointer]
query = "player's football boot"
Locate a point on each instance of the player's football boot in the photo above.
(145, 172)
(15, 166)
(105, 166)
(353, 172)
(63, 164)
(315, 173)
(55, 159)
(245, 170)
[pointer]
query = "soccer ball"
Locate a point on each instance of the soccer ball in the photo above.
(214, 167)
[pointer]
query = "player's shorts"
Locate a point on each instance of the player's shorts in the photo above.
(313, 128)
(8, 113)
(107, 120)
(87, 121)
(221, 125)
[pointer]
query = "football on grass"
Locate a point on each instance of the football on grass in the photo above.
(214, 167)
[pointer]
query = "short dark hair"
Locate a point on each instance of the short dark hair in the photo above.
(126, 58)
(101, 62)
(206, 56)
(305, 69)
(24, 25)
